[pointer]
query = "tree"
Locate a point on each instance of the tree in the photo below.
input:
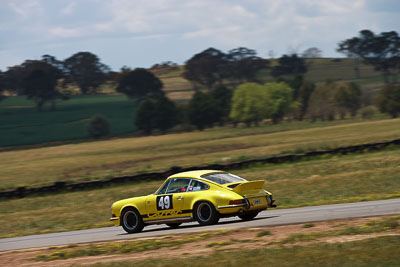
(382, 51)
(166, 114)
(348, 98)
(312, 52)
(222, 97)
(156, 113)
(2, 84)
(13, 78)
(303, 98)
(98, 127)
(322, 104)
(145, 115)
(252, 102)
(389, 100)
(302, 90)
(206, 68)
(39, 82)
(289, 64)
(243, 64)
(140, 83)
(279, 99)
(352, 49)
(202, 110)
(53, 61)
(85, 70)
(248, 104)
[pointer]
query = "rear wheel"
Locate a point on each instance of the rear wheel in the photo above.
(131, 221)
(173, 225)
(205, 213)
(248, 216)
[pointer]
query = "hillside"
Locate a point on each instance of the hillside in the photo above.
(319, 70)
(21, 124)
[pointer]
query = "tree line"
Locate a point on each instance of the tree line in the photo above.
(227, 87)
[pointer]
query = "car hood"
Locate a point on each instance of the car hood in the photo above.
(120, 203)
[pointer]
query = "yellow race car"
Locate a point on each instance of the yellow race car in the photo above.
(204, 196)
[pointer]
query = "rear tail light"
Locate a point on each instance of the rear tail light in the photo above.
(236, 202)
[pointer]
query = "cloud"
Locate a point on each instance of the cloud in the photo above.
(26, 8)
(61, 32)
(69, 8)
(174, 26)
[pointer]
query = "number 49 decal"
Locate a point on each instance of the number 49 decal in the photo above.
(164, 202)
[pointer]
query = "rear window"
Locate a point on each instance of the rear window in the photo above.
(222, 178)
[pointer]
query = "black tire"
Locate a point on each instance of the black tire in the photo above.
(131, 221)
(205, 213)
(173, 225)
(248, 216)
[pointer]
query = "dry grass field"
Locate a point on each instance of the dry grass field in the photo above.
(100, 159)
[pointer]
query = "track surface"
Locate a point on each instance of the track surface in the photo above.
(266, 218)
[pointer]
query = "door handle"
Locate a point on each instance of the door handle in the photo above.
(179, 198)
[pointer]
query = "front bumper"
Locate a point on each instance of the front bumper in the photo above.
(115, 220)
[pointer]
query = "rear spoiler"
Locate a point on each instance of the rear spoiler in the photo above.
(251, 185)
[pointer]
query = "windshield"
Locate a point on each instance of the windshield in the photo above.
(222, 178)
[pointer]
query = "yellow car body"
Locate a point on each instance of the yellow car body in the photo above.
(205, 196)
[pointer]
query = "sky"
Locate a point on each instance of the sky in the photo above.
(141, 33)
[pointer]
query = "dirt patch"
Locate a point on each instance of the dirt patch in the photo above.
(250, 238)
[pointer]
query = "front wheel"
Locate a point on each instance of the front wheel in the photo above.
(248, 216)
(131, 221)
(205, 213)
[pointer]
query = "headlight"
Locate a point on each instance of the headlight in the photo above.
(112, 205)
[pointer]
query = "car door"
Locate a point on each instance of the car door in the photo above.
(194, 192)
(169, 201)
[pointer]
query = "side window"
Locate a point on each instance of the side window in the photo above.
(198, 186)
(178, 185)
(164, 189)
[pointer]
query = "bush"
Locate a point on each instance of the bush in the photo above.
(389, 100)
(98, 127)
(368, 112)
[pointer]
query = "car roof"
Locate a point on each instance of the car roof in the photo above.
(193, 174)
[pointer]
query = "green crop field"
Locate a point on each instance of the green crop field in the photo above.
(21, 124)
(72, 162)
(325, 180)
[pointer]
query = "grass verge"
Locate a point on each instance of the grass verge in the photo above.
(125, 247)
(389, 224)
(375, 226)
(380, 251)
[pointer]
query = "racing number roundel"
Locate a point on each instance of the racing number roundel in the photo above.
(164, 202)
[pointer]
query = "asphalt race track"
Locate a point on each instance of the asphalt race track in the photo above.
(266, 218)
